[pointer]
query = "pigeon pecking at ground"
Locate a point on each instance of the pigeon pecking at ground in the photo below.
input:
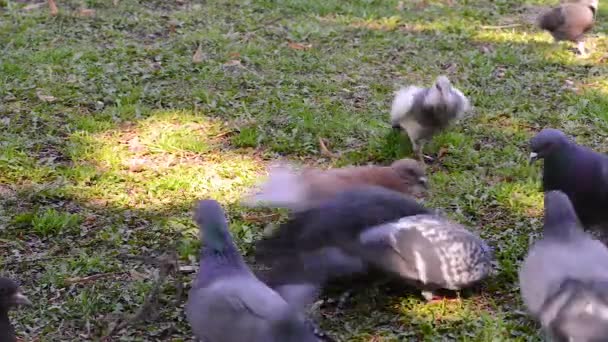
(10, 296)
(370, 226)
(570, 21)
(288, 188)
(564, 278)
(579, 172)
(424, 112)
(227, 302)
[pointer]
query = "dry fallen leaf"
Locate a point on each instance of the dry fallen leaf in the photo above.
(233, 62)
(31, 7)
(198, 55)
(400, 6)
(299, 46)
(442, 152)
(45, 98)
(53, 7)
(115, 2)
(86, 12)
(324, 150)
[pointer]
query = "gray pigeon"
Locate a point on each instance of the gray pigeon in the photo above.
(570, 21)
(579, 172)
(375, 227)
(227, 303)
(424, 112)
(564, 278)
(10, 296)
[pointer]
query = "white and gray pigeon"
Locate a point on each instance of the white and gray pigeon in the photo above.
(578, 171)
(227, 303)
(373, 227)
(424, 112)
(564, 278)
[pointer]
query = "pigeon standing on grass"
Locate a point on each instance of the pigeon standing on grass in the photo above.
(578, 171)
(227, 302)
(375, 227)
(10, 297)
(288, 188)
(424, 112)
(570, 21)
(564, 278)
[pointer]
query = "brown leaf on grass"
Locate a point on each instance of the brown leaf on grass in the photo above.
(53, 8)
(234, 54)
(442, 152)
(299, 46)
(325, 151)
(32, 7)
(198, 55)
(86, 12)
(233, 62)
(45, 98)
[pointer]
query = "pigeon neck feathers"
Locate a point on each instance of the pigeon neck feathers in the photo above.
(219, 253)
(561, 221)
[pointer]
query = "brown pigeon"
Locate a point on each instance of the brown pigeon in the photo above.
(570, 21)
(299, 190)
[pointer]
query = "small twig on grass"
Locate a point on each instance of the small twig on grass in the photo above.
(80, 280)
(499, 27)
(168, 265)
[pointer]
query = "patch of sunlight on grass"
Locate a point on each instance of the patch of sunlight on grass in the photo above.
(169, 158)
(519, 197)
(511, 36)
(385, 23)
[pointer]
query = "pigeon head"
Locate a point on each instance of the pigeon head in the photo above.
(211, 220)
(10, 296)
(412, 173)
(546, 143)
(560, 217)
(443, 84)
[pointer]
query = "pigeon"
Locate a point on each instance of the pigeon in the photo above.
(564, 278)
(570, 21)
(288, 188)
(579, 172)
(227, 302)
(371, 227)
(424, 112)
(10, 296)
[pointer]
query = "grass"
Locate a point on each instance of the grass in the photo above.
(110, 132)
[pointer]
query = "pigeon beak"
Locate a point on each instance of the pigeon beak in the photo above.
(19, 299)
(424, 182)
(533, 157)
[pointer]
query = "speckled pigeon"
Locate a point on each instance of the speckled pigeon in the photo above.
(424, 112)
(10, 296)
(579, 172)
(564, 277)
(375, 227)
(227, 302)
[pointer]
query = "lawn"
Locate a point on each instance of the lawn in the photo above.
(116, 115)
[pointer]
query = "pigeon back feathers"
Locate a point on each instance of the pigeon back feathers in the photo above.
(564, 269)
(436, 252)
